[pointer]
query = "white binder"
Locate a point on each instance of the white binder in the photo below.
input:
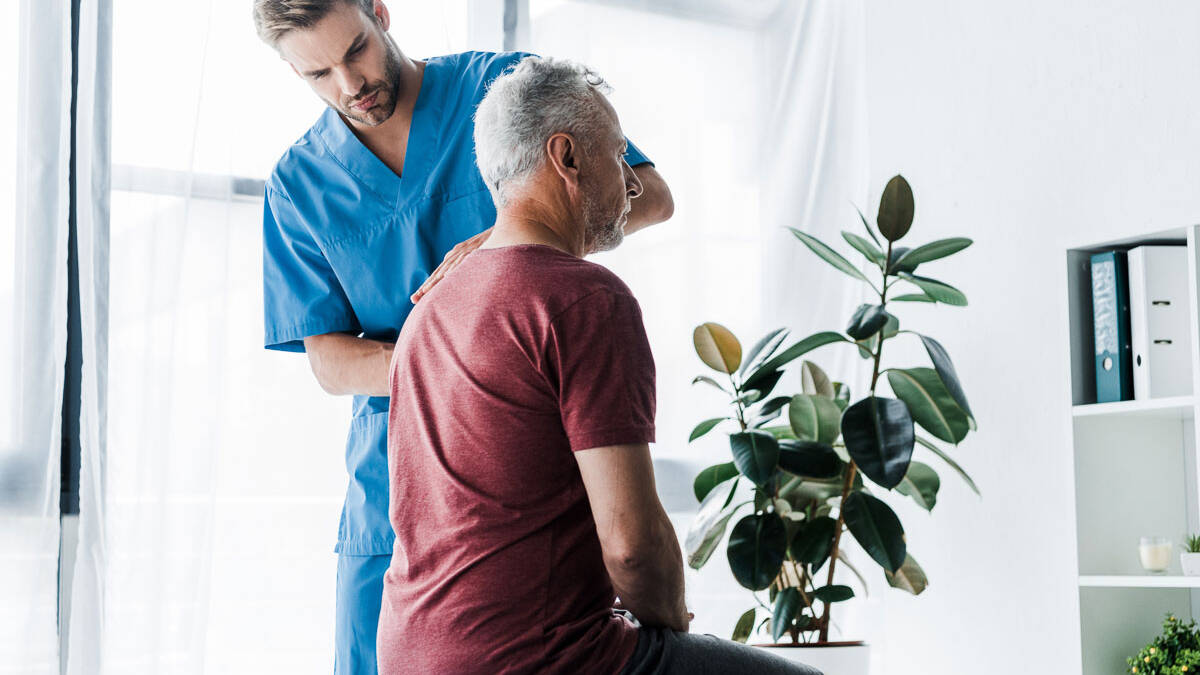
(1158, 321)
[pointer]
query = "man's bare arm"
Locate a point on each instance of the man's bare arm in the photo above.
(654, 205)
(640, 550)
(346, 364)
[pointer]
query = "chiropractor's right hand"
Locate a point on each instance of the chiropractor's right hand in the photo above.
(452, 259)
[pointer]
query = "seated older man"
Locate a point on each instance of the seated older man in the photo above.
(522, 494)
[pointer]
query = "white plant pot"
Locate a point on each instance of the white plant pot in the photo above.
(834, 659)
(1190, 563)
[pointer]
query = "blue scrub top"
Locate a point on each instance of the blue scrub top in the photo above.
(346, 242)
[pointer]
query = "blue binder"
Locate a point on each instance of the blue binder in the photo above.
(1110, 316)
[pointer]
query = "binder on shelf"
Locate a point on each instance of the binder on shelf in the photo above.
(1158, 321)
(1110, 322)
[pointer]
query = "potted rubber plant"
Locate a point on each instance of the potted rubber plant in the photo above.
(806, 467)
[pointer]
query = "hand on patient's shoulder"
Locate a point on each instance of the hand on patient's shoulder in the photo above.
(449, 262)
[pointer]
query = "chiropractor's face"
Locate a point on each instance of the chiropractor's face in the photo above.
(350, 61)
(607, 184)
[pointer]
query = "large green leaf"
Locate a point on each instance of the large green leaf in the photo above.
(743, 627)
(953, 464)
(813, 380)
(756, 454)
(938, 290)
(934, 250)
(764, 348)
(828, 254)
(895, 265)
(866, 321)
(930, 403)
(711, 477)
(705, 427)
(869, 250)
(757, 547)
(945, 370)
(770, 367)
(809, 459)
(708, 526)
(717, 347)
(910, 577)
(765, 385)
(876, 528)
(814, 418)
(912, 297)
(878, 433)
(835, 593)
(813, 541)
(787, 602)
(895, 209)
(922, 484)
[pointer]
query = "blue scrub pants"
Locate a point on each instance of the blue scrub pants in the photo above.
(359, 596)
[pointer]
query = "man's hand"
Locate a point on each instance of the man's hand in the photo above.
(452, 259)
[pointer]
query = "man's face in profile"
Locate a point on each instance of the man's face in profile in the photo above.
(349, 61)
(607, 185)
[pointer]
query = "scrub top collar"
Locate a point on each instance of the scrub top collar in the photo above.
(360, 162)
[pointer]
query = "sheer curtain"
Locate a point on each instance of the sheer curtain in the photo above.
(225, 471)
(34, 201)
(753, 111)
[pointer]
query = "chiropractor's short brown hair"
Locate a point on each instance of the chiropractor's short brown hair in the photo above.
(274, 18)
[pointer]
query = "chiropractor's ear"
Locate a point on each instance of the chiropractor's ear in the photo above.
(382, 15)
(564, 157)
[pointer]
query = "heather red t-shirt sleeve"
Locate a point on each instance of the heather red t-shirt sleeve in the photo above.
(600, 363)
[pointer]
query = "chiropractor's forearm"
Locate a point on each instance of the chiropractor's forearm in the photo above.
(649, 581)
(654, 205)
(346, 364)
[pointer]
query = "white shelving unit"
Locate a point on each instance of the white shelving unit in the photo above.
(1135, 475)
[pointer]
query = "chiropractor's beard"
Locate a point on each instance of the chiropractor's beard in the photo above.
(604, 230)
(388, 90)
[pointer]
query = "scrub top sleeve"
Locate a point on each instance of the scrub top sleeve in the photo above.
(301, 293)
(634, 155)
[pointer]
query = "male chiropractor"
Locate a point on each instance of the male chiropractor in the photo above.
(359, 212)
(523, 397)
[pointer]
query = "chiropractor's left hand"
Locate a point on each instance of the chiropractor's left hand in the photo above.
(452, 259)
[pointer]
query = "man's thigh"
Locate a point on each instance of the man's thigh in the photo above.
(359, 594)
(665, 652)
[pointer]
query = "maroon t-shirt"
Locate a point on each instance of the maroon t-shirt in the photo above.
(518, 357)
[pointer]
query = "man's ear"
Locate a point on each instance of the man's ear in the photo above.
(563, 151)
(382, 15)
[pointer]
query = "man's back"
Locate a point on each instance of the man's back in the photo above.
(520, 356)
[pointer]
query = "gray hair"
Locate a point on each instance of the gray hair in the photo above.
(525, 106)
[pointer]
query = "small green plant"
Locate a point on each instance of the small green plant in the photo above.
(1193, 543)
(808, 474)
(1175, 652)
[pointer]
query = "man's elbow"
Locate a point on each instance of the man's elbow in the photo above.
(645, 551)
(666, 204)
(661, 203)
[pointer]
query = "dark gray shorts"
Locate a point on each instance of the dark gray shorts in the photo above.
(661, 651)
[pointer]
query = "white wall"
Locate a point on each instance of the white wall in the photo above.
(1030, 127)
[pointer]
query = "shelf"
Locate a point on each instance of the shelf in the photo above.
(1175, 407)
(1138, 581)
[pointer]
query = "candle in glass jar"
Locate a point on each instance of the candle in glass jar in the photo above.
(1155, 554)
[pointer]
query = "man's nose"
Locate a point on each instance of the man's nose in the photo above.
(633, 185)
(349, 81)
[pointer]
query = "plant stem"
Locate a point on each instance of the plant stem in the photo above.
(849, 480)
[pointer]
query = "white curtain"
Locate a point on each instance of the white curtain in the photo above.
(754, 112)
(33, 325)
(224, 474)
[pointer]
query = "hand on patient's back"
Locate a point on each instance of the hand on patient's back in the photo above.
(452, 259)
